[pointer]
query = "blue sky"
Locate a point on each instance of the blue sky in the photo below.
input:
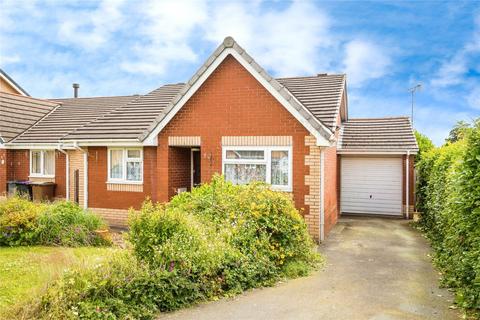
(115, 47)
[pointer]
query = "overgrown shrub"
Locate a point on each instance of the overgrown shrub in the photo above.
(217, 240)
(424, 145)
(449, 190)
(23, 222)
(66, 224)
(19, 222)
(261, 227)
(121, 288)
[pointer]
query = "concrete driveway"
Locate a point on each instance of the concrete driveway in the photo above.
(376, 269)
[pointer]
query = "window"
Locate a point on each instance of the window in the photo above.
(125, 165)
(242, 165)
(42, 163)
(280, 168)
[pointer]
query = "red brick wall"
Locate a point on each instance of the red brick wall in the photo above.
(100, 197)
(232, 102)
(19, 165)
(331, 188)
(179, 173)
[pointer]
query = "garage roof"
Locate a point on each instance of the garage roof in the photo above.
(382, 135)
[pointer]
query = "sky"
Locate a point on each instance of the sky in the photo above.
(123, 47)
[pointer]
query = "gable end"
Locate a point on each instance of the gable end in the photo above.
(322, 134)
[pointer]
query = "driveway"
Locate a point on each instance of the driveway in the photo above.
(376, 269)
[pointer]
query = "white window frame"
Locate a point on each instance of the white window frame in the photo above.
(123, 179)
(42, 162)
(266, 161)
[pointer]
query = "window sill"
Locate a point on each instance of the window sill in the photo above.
(125, 182)
(42, 176)
(281, 189)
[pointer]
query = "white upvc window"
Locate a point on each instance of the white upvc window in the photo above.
(273, 165)
(42, 163)
(125, 165)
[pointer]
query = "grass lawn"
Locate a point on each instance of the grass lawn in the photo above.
(25, 271)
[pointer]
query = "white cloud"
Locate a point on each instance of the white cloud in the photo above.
(473, 98)
(364, 61)
(9, 8)
(286, 41)
(91, 29)
(4, 60)
(167, 29)
(453, 71)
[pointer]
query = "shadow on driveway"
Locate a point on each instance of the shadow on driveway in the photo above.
(376, 269)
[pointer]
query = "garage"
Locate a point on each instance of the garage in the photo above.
(371, 185)
(377, 166)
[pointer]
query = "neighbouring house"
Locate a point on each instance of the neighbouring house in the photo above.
(110, 153)
(9, 86)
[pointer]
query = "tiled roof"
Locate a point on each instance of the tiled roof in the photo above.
(127, 117)
(321, 95)
(72, 113)
(393, 134)
(129, 121)
(18, 113)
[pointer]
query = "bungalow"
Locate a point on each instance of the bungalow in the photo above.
(110, 153)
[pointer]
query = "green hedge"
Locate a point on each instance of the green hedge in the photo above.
(216, 241)
(23, 222)
(448, 194)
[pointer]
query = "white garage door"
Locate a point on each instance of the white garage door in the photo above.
(371, 185)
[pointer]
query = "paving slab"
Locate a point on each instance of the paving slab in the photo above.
(376, 268)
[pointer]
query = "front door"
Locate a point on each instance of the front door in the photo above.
(196, 174)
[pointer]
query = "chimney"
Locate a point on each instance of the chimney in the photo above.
(75, 90)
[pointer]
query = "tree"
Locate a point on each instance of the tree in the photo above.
(458, 132)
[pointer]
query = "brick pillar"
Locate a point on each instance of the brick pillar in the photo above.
(312, 180)
(162, 169)
(3, 172)
(76, 162)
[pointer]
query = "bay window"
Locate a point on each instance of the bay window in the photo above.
(273, 165)
(125, 165)
(42, 163)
